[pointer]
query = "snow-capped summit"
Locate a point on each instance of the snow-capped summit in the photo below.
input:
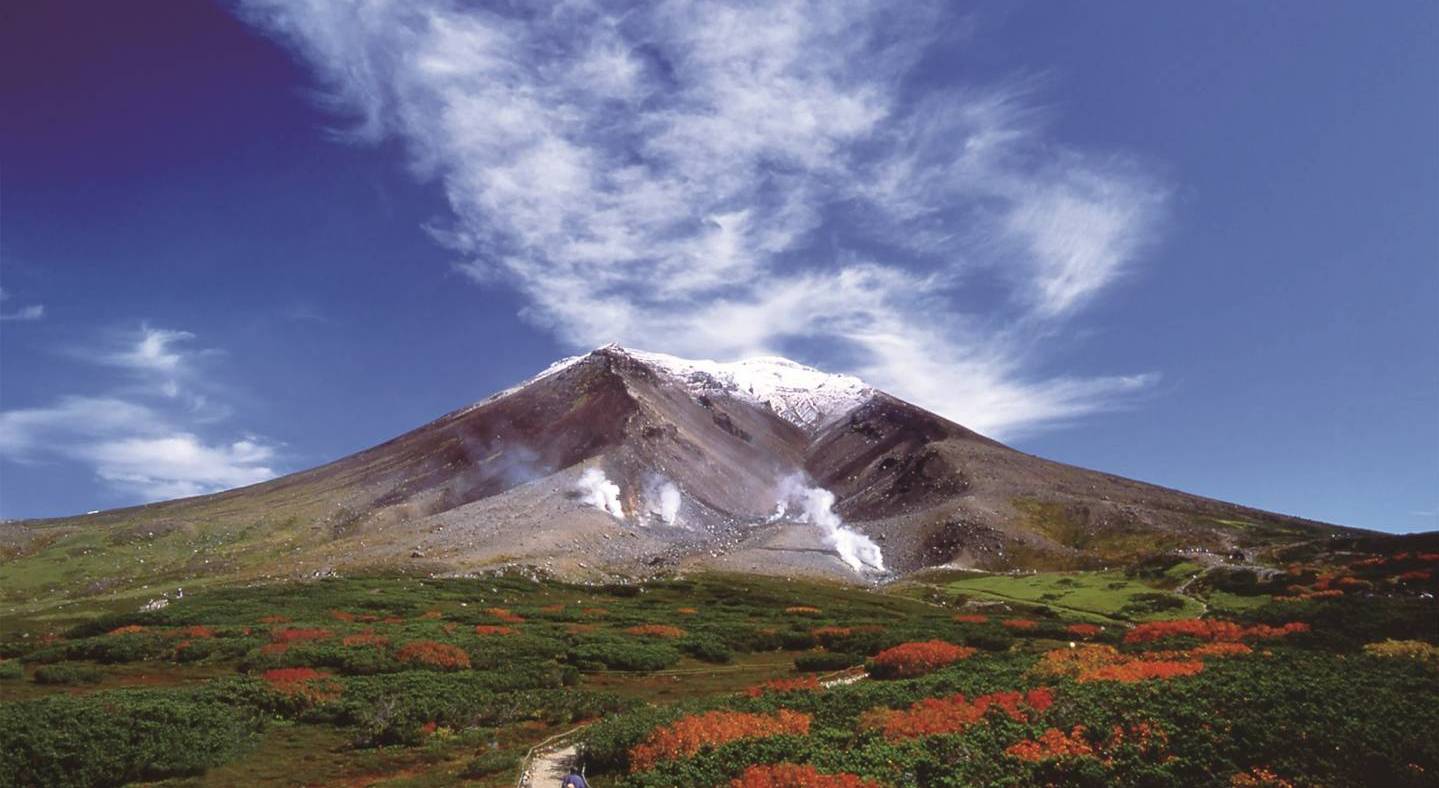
(801, 395)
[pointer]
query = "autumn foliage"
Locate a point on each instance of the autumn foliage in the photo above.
(789, 775)
(1105, 663)
(1208, 629)
(434, 655)
(307, 683)
(916, 659)
(656, 631)
(970, 618)
(688, 735)
(803, 610)
(937, 716)
(801, 684)
(1020, 624)
(493, 629)
(129, 629)
(505, 615)
(1051, 745)
(366, 638)
(1083, 630)
(297, 635)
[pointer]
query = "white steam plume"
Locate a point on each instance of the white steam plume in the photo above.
(816, 505)
(662, 499)
(598, 491)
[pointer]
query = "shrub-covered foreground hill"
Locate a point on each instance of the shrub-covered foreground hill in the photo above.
(1324, 671)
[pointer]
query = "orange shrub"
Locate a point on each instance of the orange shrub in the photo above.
(656, 631)
(1020, 624)
(128, 629)
(273, 649)
(342, 615)
(688, 735)
(803, 610)
(366, 638)
(1052, 744)
(1137, 670)
(831, 633)
(274, 619)
(435, 655)
(970, 618)
(801, 684)
(581, 629)
(938, 716)
(555, 609)
(789, 775)
(1208, 629)
(916, 659)
(595, 612)
(686, 611)
(490, 629)
(431, 615)
(1083, 630)
(1259, 776)
(505, 615)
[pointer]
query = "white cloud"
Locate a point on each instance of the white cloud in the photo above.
(139, 441)
(28, 312)
(719, 179)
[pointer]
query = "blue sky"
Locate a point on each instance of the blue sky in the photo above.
(1192, 245)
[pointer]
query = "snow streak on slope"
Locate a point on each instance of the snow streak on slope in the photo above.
(801, 395)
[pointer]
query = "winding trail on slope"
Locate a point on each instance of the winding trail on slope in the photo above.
(548, 762)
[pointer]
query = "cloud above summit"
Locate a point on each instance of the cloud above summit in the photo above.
(720, 180)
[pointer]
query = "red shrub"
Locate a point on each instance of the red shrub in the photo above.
(656, 631)
(274, 649)
(1208, 629)
(1083, 630)
(1429, 556)
(1020, 624)
(490, 629)
(128, 629)
(1052, 744)
(938, 716)
(789, 775)
(505, 615)
(292, 635)
(916, 659)
(312, 685)
(801, 684)
(434, 655)
(197, 632)
(970, 618)
(1419, 575)
(366, 638)
(688, 735)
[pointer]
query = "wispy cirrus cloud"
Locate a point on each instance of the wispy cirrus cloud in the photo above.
(27, 312)
(722, 179)
(140, 440)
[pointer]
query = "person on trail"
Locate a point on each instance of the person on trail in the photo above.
(574, 780)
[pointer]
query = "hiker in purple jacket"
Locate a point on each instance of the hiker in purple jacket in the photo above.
(575, 780)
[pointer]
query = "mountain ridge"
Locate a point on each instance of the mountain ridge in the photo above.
(738, 466)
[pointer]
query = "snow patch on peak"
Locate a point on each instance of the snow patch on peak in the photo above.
(803, 396)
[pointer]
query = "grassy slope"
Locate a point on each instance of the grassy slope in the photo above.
(1092, 595)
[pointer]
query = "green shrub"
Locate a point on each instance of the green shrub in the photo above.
(118, 737)
(486, 764)
(11, 669)
(625, 656)
(68, 673)
(820, 661)
(707, 649)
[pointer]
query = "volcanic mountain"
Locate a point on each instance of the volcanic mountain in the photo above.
(622, 461)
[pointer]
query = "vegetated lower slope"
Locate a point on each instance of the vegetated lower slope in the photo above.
(1328, 674)
(497, 483)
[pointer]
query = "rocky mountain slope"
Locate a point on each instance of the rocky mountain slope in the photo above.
(632, 462)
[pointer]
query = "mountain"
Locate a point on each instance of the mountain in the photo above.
(633, 462)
